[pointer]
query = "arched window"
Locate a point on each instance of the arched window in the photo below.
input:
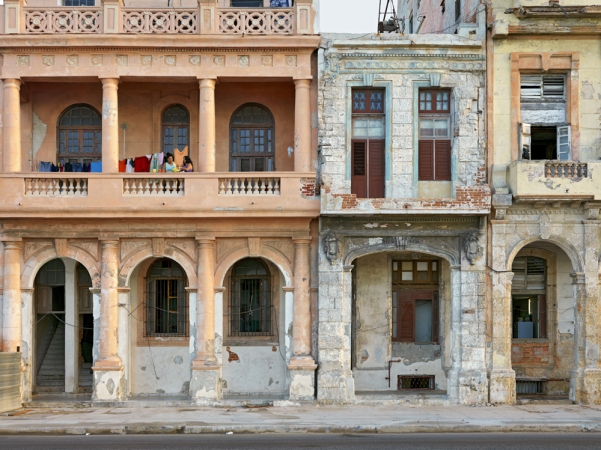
(252, 139)
(176, 128)
(251, 309)
(166, 300)
(529, 298)
(79, 135)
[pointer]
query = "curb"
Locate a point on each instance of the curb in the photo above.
(412, 427)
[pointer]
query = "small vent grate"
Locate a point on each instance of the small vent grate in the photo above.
(417, 383)
(535, 266)
(528, 387)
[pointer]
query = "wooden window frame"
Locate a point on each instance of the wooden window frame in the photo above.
(252, 155)
(175, 126)
(437, 144)
(434, 109)
(80, 156)
(368, 102)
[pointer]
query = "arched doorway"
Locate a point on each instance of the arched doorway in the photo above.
(252, 139)
(79, 135)
(176, 128)
(64, 328)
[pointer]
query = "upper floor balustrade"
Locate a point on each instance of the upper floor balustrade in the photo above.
(189, 17)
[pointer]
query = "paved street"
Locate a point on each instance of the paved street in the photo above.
(515, 441)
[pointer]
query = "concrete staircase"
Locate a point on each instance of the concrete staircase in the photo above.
(51, 374)
(86, 377)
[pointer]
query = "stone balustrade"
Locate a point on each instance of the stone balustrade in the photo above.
(153, 186)
(566, 169)
(60, 186)
(263, 21)
(157, 21)
(249, 186)
(63, 20)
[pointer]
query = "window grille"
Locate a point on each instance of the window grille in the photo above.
(529, 273)
(529, 387)
(166, 300)
(250, 310)
(416, 383)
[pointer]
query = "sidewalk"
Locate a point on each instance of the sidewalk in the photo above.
(302, 419)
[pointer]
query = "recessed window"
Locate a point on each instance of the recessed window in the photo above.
(252, 140)
(176, 128)
(79, 135)
(529, 300)
(79, 2)
(434, 145)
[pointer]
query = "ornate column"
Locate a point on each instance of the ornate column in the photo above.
(11, 305)
(12, 125)
(108, 368)
(302, 126)
(205, 383)
(110, 125)
(301, 383)
(206, 126)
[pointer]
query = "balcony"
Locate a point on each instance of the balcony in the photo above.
(158, 195)
(199, 17)
(554, 180)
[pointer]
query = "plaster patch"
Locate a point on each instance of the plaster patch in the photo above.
(39, 133)
(178, 360)
(143, 368)
(110, 386)
(587, 90)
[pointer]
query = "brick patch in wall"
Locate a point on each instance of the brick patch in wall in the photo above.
(308, 187)
(530, 353)
(349, 201)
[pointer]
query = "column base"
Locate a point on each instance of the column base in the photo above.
(336, 384)
(501, 387)
(109, 384)
(585, 386)
(301, 378)
(205, 383)
(472, 387)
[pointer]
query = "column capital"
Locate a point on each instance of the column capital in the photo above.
(109, 242)
(347, 268)
(15, 245)
(301, 83)
(288, 289)
(95, 290)
(205, 242)
(124, 290)
(301, 240)
(209, 83)
(109, 81)
(219, 289)
(12, 82)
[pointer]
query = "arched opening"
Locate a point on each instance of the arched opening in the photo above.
(176, 128)
(64, 328)
(400, 323)
(79, 136)
(252, 139)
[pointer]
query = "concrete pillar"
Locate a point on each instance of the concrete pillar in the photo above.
(208, 23)
(11, 308)
(205, 383)
(28, 322)
(502, 376)
(206, 126)
(108, 369)
(71, 332)
(302, 126)
(455, 337)
(1, 288)
(335, 377)
(110, 125)
(124, 337)
(112, 16)
(12, 125)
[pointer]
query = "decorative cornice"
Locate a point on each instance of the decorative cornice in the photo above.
(473, 56)
(195, 50)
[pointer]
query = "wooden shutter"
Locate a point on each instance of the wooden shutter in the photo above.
(376, 169)
(564, 144)
(359, 168)
(542, 316)
(435, 319)
(526, 140)
(406, 320)
(426, 161)
(442, 160)
(43, 299)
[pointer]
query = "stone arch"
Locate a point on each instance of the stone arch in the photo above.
(562, 243)
(129, 265)
(36, 261)
(266, 253)
(453, 258)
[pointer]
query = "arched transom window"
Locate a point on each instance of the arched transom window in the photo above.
(250, 300)
(176, 128)
(252, 140)
(79, 135)
(166, 300)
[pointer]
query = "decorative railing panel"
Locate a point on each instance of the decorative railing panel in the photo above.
(249, 186)
(153, 186)
(157, 21)
(56, 187)
(566, 169)
(266, 21)
(62, 20)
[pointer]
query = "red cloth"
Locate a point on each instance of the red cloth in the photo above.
(142, 164)
(122, 165)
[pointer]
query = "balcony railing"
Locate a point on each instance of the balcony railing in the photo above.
(56, 187)
(113, 18)
(249, 186)
(561, 169)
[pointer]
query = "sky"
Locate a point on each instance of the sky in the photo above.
(350, 16)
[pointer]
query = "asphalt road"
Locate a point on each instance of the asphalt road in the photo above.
(459, 441)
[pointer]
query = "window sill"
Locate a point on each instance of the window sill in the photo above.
(530, 340)
(180, 341)
(251, 342)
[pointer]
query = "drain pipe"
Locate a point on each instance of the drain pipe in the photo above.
(389, 366)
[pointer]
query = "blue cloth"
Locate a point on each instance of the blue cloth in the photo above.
(77, 167)
(96, 166)
(45, 166)
(280, 3)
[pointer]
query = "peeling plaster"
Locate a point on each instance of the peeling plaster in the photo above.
(39, 133)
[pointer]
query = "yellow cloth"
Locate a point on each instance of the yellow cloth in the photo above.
(178, 156)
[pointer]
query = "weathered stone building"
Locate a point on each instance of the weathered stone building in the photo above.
(544, 134)
(163, 285)
(404, 206)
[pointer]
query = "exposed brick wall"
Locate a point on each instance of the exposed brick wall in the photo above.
(349, 201)
(308, 187)
(530, 353)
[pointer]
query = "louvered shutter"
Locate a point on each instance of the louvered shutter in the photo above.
(564, 143)
(542, 316)
(376, 169)
(44, 299)
(426, 160)
(442, 160)
(406, 320)
(359, 168)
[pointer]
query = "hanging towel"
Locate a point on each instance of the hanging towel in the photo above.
(130, 166)
(154, 163)
(178, 156)
(45, 166)
(161, 158)
(96, 166)
(280, 3)
(68, 167)
(142, 164)
(122, 165)
(77, 167)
